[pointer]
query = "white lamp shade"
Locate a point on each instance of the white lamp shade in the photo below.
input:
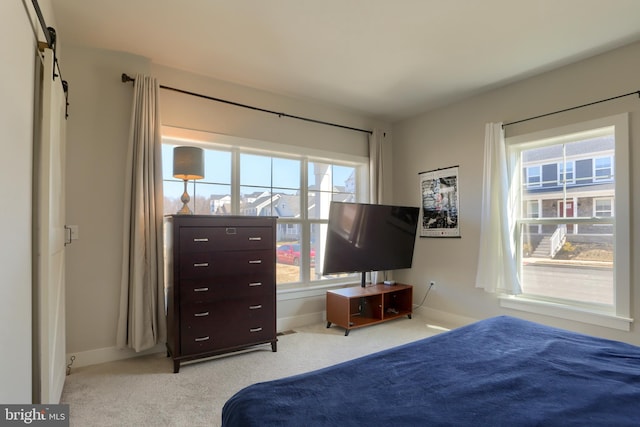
(188, 163)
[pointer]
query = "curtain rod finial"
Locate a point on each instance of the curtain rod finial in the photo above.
(126, 78)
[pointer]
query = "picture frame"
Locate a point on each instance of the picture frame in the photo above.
(439, 208)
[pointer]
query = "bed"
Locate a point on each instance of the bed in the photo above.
(501, 371)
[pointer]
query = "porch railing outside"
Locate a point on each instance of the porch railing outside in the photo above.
(557, 239)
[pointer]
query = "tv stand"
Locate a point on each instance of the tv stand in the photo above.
(356, 306)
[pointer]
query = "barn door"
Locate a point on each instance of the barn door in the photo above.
(49, 238)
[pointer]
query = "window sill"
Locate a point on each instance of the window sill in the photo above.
(547, 308)
(284, 294)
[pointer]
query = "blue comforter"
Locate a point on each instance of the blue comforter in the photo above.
(497, 372)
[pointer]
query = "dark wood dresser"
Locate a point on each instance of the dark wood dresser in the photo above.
(220, 273)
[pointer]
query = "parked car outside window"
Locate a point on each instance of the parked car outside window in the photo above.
(290, 254)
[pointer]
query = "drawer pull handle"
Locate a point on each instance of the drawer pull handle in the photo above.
(255, 238)
(255, 307)
(202, 339)
(200, 289)
(255, 329)
(200, 239)
(201, 264)
(255, 261)
(231, 230)
(203, 314)
(255, 284)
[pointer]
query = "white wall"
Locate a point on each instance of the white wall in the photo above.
(97, 132)
(455, 136)
(96, 153)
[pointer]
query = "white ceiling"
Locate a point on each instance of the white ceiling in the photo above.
(390, 59)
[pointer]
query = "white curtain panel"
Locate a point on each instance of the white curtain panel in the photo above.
(141, 323)
(376, 165)
(377, 140)
(497, 269)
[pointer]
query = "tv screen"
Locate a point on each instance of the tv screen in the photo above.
(366, 237)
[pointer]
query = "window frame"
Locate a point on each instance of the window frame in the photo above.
(618, 316)
(238, 146)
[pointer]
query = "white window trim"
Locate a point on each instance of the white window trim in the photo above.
(568, 312)
(620, 318)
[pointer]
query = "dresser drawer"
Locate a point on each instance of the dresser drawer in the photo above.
(224, 324)
(224, 287)
(225, 264)
(198, 239)
(199, 323)
(252, 321)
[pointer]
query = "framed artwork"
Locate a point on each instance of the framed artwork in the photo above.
(439, 207)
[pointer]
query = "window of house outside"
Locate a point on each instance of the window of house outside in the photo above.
(297, 189)
(565, 172)
(533, 176)
(573, 244)
(603, 168)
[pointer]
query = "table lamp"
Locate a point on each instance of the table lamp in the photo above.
(188, 163)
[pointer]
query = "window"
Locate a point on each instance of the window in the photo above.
(534, 176)
(565, 172)
(296, 188)
(573, 239)
(603, 208)
(603, 168)
(533, 209)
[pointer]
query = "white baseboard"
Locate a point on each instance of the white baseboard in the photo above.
(288, 323)
(107, 354)
(449, 319)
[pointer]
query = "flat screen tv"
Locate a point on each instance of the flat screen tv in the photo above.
(365, 237)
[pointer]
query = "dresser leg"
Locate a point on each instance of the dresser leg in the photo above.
(176, 366)
(274, 346)
(328, 324)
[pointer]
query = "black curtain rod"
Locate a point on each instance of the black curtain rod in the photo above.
(573, 108)
(126, 79)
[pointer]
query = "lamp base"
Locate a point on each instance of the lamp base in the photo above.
(185, 200)
(185, 210)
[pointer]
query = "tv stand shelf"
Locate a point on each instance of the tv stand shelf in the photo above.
(356, 307)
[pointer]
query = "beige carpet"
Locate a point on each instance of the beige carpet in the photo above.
(144, 391)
